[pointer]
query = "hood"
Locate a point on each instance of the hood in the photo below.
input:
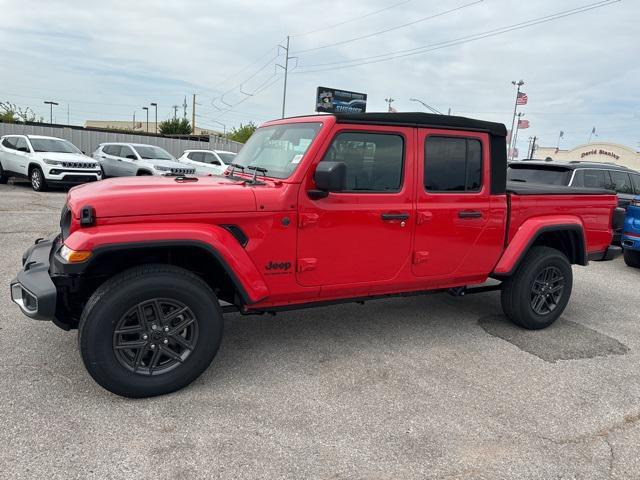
(156, 195)
(67, 157)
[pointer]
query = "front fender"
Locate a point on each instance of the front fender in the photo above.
(527, 234)
(216, 240)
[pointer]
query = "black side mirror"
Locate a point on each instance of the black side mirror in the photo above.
(331, 176)
(132, 157)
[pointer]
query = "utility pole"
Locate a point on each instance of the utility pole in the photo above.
(184, 107)
(51, 104)
(147, 110)
(175, 111)
(193, 115)
(533, 147)
(68, 123)
(155, 105)
(529, 147)
(389, 101)
(515, 107)
(286, 72)
(133, 125)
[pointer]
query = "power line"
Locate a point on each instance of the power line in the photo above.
(344, 22)
(390, 29)
(449, 43)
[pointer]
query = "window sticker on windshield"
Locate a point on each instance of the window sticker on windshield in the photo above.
(296, 159)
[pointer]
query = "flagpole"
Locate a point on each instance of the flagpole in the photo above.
(515, 138)
(515, 108)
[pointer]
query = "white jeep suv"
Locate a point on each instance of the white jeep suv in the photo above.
(130, 159)
(46, 161)
(208, 162)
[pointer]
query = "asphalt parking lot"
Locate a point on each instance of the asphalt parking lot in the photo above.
(421, 387)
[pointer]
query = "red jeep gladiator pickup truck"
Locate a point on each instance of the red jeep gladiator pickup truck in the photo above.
(316, 209)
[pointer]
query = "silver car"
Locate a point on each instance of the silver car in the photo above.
(130, 159)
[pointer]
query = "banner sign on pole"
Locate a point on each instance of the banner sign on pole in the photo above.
(331, 100)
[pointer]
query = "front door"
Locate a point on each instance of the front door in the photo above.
(457, 232)
(362, 234)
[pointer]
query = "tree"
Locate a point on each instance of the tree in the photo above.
(175, 126)
(242, 133)
(10, 112)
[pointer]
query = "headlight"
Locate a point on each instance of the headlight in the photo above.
(162, 168)
(48, 161)
(636, 202)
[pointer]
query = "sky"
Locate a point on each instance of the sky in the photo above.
(106, 60)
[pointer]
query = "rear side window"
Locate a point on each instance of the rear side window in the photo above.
(635, 179)
(452, 164)
(591, 179)
(621, 182)
(541, 175)
(374, 160)
(196, 156)
(211, 159)
(9, 142)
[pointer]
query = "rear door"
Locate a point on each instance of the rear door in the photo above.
(457, 233)
(363, 234)
(9, 154)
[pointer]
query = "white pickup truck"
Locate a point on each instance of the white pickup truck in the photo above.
(45, 161)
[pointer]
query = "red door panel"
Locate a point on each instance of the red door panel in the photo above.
(356, 237)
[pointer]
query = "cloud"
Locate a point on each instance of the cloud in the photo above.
(108, 59)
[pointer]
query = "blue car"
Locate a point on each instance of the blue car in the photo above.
(631, 234)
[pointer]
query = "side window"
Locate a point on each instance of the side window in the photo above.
(621, 182)
(21, 145)
(452, 164)
(127, 152)
(374, 160)
(635, 179)
(591, 179)
(196, 156)
(112, 150)
(9, 142)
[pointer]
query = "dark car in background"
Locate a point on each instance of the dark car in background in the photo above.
(624, 181)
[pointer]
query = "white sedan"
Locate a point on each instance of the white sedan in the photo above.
(208, 162)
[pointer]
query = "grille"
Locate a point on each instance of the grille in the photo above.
(183, 171)
(77, 165)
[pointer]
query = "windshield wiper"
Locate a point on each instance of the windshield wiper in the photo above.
(255, 169)
(233, 168)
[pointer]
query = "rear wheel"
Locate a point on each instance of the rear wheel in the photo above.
(632, 258)
(150, 330)
(38, 183)
(538, 292)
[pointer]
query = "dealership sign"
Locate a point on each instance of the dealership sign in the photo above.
(340, 101)
(600, 152)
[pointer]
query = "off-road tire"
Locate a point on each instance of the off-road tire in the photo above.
(521, 291)
(38, 182)
(632, 257)
(124, 293)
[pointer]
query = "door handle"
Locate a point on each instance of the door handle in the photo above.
(394, 216)
(469, 214)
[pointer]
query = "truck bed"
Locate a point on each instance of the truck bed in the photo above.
(522, 188)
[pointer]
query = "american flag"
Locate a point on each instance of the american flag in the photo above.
(522, 98)
(523, 124)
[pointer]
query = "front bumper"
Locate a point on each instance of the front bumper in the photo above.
(32, 289)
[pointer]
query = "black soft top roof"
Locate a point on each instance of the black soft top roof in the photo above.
(424, 120)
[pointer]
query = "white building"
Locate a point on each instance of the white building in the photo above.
(594, 152)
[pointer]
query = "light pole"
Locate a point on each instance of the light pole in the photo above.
(147, 110)
(51, 104)
(389, 101)
(155, 105)
(434, 110)
(519, 84)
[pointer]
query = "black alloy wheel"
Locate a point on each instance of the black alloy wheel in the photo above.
(155, 336)
(547, 290)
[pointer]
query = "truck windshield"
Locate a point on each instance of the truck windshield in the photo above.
(278, 148)
(53, 145)
(536, 174)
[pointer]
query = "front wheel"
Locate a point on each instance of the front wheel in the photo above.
(632, 257)
(538, 292)
(150, 330)
(38, 183)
